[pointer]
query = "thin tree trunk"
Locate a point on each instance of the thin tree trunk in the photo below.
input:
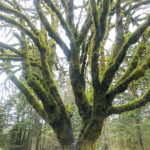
(34, 143)
(139, 132)
(36, 132)
(106, 144)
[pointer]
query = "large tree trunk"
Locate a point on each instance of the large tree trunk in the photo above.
(90, 134)
(88, 137)
(64, 133)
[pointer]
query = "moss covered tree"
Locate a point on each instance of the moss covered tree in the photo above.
(93, 68)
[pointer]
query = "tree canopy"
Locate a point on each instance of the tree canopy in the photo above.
(40, 29)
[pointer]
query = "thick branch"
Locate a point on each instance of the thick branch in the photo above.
(132, 105)
(133, 38)
(51, 32)
(62, 21)
(46, 98)
(95, 15)
(27, 91)
(99, 36)
(135, 75)
(78, 86)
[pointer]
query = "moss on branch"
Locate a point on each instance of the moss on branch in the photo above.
(145, 2)
(28, 92)
(46, 97)
(111, 70)
(103, 17)
(78, 86)
(51, 32)
(84, 29)
(134, 61)
(99, 36)
(17, 13)
(19, 26)
(123, 85)
(6, 46)
(143, 100)
(70, 14)
(135, 75)
(62, 21)
(95, 14)
(10, 58)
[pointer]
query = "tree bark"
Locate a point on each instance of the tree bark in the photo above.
(34, 143)
(90, 134)
(64, 133)
(88, 137)
(139, 132)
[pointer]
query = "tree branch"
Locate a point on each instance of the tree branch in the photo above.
(27, 91)
(7, 9)
(19, 25)
(135, 75)
(46, 97)
(95, 15)
(99, 35)
(61, 19)
(78, 86)
(10, 58)
(70, 14)
(119, 39)
(51, 32)
(64, 4)
(135, 59)
(84, 29)
(136, 6)
(143, 100)
(133, 38)
(16, 51)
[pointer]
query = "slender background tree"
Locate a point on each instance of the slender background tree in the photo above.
(41, 28)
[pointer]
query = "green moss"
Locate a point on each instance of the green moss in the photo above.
(52, 86)
(95, 15)
(28, 92)
(146, 34)
(90, 94)
(138, 73)
(146, 64)
(132, 105)
(92, 131)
